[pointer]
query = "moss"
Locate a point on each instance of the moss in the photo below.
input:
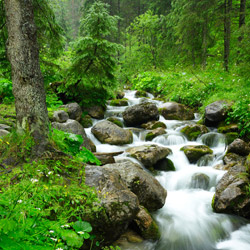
(230, 137)
(119, 102)
(152, 233)
(141, 93)
(212, 204)
(115, 121)
(86, 121)
(150, 136)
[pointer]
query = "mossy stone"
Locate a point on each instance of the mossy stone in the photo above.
(193, 131)
(164, 165)
(86, 121)
(230, 137)
(119, 102)
(115, 121)
(141, 93)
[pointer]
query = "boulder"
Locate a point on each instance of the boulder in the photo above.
(120, 95)
(192, 132)
(140, 93)
(148, 228)
(74, 111)
(3, 132)
(140, 113)
(119, 102)
(239, 147)
(149, 155)
(5, 127)
(216, 112)
(231, 193)
(227, 128)
(149, 191)
(108, 132)
(230, 137)
(116, 121)
(153, 125)
(86, 121)
(128, 237)
(195, 152)
(232, 158)
(176, 111)
(200, 180)
(154, 133)
(60, 116)
(164, 165)
(107, 158)
(74, 127)
(96, 112)
(120, 204)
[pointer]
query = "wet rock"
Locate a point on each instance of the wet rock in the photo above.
(120, 95)
(205, 160)
(149, 155)
(60, 116)
(96, 112)
(232, 158)
(146, 225)
(176, 111)
(140, 113)
(108, 132)
(86, 121)
(3, 132)
(140, 93)
(120, 204)
(129, 236)
(216, 112)
(227, 128)
(239, 147)
(164, 165)
(192, 132)
(119, 102)
(116, 121)
(154, 133)
(74, 111)
(200, 181)
(224, 167)
(231, 193)
(74, 127)
(153, 125)
(107, 158)
(194, 153)
(149, 191)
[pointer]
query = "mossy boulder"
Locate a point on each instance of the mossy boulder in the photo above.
(116, 121)
(154, 133)
(86, 121)
(227, 128)
(192, 132)
(74, 111)
(195, 152)
(239, 147)
(146, 225)
(96, 112)
(140, 93)
(176, 111)
(119, 102)
(108, 132)
(230, 137)
(153, 125)
(120, 95)
(232, 158)
(164, 165)
(60, 116)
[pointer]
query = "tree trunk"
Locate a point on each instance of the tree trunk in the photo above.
(242, 17)
(28, 86)
(227, 32)
(204, 42)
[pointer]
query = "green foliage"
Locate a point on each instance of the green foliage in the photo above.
(6, 95)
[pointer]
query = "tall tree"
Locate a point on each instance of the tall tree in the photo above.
(28, 86)
(227, 32)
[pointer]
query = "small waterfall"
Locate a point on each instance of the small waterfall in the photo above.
(186, 221)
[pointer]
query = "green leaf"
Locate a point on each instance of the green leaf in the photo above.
(82, 226)
(71, 238)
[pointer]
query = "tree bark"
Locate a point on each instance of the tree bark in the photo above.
(227, 32)
(28, 85)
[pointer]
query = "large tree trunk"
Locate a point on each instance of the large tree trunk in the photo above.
(227, 32)
(28, 85)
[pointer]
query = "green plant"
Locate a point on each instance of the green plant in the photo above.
(6, 95)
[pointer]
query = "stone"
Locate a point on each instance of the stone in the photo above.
(140, 113)
(176, 111)
(149, 191)
(232, 158)
(5, 127)
(148, 228)
(231, 195)
(149, 155)
(164, 165)
(205, 160)
(3, 132)
(129, 236)
(120, 95)
(119, 102)
(239, 147)
(195, 152)
(192, 132)
(74, 127)
(200, 181)
(120, 204)
(96, 112)
(227, 128)
(86, 121)
(107, 158)
(140, 93)
(74, 110)
(154, 133)
(230, 137)
(116, 121)
(216, 112)
(153, 125)
(60, 116)
(108, 132)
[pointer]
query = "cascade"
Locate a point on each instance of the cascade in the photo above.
(187, 221)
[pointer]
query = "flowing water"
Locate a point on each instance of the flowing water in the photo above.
(186, 221)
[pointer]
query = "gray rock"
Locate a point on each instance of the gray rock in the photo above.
(154, 133)
(176, 111)
(3, 132)
(60, 116)
(231, 196)
(153, 125)
(192, 132)
(200, 180)
(120, 95)
(96, 112)
(74, 127)
(232, 158)
(108, 132)
(140, 113)
(74, 111)
(120, 204)
(5, 127)
(239, 147)
(149, 155)
(216, 112)
(140, 93)
(148, 190)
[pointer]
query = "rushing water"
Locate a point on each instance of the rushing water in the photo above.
(186, 221)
